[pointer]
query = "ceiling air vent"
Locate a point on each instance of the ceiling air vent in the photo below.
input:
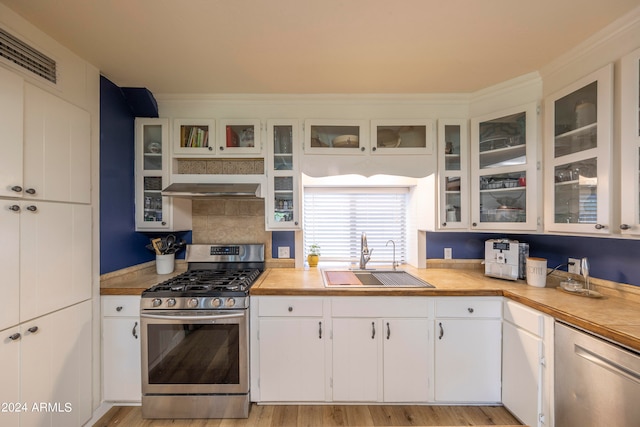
(27, 57)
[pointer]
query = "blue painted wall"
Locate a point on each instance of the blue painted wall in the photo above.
(611, 259)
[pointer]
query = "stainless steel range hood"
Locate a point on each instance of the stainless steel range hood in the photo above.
(204, 190)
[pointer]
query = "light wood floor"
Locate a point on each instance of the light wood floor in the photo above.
(329, 415)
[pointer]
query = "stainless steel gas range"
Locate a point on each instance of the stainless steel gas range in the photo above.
(195, 335)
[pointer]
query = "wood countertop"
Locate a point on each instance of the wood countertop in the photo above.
(616, 316)
(613, 316)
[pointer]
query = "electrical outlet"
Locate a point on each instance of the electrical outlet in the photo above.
(575, 268)
(447, 253)
(283, 251)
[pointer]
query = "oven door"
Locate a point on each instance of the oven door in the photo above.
(194, 352)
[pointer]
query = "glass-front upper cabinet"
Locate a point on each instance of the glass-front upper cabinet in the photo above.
(336, 136)
(239, 137)
(630, 196)
(402, 136)
(578, 152)
(194, 137)
(503, 170)
(283, 207)
(453, 183)
(152, 160)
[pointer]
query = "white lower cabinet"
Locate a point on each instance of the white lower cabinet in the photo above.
(380, 358)
(526, 371)
(468, 349)
(47, 369)
(121, 366)
(292, 336)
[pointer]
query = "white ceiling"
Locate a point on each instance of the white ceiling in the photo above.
(319, 46)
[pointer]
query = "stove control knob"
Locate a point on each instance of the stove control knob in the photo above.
(216, 302)
(230, 302)
(193, 302)
(171, 302)
(157, 302)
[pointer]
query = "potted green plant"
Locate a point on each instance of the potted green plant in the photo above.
(314, 255)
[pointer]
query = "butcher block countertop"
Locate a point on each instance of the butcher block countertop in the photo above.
(615, 316)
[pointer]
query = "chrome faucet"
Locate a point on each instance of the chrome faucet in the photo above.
(365, 253)
(394, 253)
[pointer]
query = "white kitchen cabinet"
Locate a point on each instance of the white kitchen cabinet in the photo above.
(240, 137)
(579, 154)
(402, 137)
(283, 202)
(292, 338)
(11, 137)
(48, 362)
(55, 256)
(503, 169)
(468, 350)
(10, 362)
(342, 137)
(453, 175)
(527, 371)
(630, 147)
(121, 368)
(154, 212)
(57, 148)
(380, 349)
(10, 263)
(194, 137)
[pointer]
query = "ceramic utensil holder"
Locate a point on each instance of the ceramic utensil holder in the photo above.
(165, 263)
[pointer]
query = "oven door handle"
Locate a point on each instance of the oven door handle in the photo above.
(202, 317)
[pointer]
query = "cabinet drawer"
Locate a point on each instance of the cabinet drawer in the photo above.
(469, 307)
(524, 317)
(379, 307)
(295, 307)
(120, 306)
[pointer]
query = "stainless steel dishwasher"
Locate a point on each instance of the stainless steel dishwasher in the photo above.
(597, 383)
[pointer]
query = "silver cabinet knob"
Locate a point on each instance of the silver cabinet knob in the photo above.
(14, 337)
(33, 329)
(600, 226)
(32, 208)
(31, 191)
(470, 310)
(14, 208)
(119, 308)
(625, 227)
(16, 188)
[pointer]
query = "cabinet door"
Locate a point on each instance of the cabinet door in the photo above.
(467, 360)
(152, 165)
(11, 133)
(57, 148)
(194, 137)
(406, 355)
(630, 114)
(292, 362)
(283, 203)
(240, 137)
(578, 156)
(55, 257)
(121, 359)
(453, 185)
(343, 137)
(56, 367)
(356, 365)
(408, 137)
(503, 170)
(10, 263)
(10, 342)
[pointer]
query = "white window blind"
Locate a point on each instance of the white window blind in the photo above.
(335, 218)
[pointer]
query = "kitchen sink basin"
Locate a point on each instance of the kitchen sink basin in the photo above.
(372, 278)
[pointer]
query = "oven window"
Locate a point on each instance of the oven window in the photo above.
(194, 354)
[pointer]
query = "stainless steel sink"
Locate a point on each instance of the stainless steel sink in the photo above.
(378, 278)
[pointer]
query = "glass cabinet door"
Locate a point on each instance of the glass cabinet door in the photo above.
(193, 137)
(283, 207)
(151, 142)
(577, 169)
(630, 208)
(402, 136)
(504, 159)
(335, 137)
(453, 180)
(239, 137)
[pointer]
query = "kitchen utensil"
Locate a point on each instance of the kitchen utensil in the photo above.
(157, 245)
